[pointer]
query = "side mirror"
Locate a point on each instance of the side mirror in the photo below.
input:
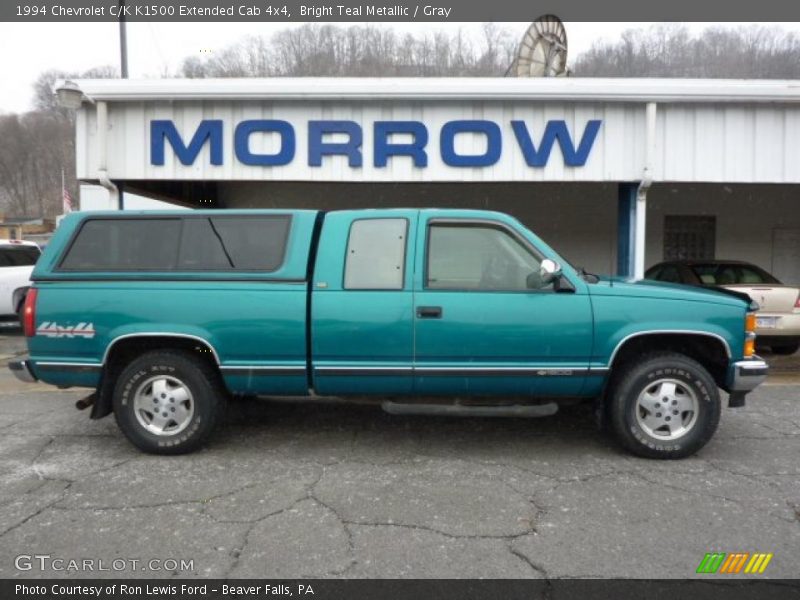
(549, 270)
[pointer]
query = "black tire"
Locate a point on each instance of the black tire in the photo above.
(206, 401)
(786, 349)
(644, 375)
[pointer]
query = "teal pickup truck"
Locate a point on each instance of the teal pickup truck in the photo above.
(454, 312)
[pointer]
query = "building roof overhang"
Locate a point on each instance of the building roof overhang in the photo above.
(573, 89)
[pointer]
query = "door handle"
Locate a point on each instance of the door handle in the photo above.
(429, 312)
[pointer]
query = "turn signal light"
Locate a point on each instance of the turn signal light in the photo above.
(29, 313)
(750, 322)
(749, 347)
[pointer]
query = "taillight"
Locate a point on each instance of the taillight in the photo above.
(29, 313)
(797, 302)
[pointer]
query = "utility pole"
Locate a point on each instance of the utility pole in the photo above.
(123, 63)
(123, 41)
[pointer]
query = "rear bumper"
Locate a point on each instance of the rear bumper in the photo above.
(22, 370)
(748, 374)
(785, 324)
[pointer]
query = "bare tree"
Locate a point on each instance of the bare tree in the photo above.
(37, 146)
(43, 96)
(358, 51)
(756, 52)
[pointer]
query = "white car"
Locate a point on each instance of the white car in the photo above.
(778, 318)
(17, 259)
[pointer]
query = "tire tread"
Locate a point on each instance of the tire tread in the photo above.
(211, 379)
(626, 374)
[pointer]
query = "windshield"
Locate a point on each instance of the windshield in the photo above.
(18, 256)
(732, 274)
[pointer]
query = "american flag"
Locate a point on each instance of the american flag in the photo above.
(68, 205)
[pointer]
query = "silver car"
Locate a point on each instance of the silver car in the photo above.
(777, 321)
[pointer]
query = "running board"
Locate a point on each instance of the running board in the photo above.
(460, 410)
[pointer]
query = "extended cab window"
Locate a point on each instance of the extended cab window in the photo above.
(252, 243)
(479, 257)
(376, 252)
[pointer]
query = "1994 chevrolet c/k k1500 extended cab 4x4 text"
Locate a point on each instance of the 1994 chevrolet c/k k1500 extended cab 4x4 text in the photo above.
(427, 311)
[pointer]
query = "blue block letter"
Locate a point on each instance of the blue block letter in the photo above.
(494, 143)
(556, 130)
(160, 131)
(242, 143)
(416, 149)
(317, 148)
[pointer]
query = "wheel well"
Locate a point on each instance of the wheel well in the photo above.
(708, 351)
(121, 353)
(18, 297)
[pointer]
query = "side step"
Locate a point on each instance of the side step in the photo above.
(460, 410)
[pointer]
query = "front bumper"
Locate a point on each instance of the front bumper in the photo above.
(22, 370)
(748, 374)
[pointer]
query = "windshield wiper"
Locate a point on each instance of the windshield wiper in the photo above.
(588, 277)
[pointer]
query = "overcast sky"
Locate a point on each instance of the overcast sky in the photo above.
(156, 49)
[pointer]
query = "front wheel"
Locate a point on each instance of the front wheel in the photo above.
(664, 405)
(167, 402)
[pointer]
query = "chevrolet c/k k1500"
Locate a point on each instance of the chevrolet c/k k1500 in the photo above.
(457, 312)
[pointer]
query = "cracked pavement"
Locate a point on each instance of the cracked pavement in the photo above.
(290, 490)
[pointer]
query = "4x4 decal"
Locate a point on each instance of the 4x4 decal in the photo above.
(54, 330)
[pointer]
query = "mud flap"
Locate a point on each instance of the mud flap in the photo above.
(736, 399)
(102, 405)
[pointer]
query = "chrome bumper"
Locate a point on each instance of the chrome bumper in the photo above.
(748, 374)
(22, 370)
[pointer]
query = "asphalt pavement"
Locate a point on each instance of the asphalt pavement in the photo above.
(320, 490)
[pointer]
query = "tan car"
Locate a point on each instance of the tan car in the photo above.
(777, 321)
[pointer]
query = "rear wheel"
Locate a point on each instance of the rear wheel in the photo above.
(664, 405)
(168, 402)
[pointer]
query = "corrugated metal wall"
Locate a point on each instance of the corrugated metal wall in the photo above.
(695, 142)
(728, 143)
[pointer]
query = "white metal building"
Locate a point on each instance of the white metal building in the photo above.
(617, 174)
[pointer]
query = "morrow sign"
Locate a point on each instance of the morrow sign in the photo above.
(390, 139)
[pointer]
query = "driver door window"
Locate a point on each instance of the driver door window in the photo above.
(485, 324)
(479, 257)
